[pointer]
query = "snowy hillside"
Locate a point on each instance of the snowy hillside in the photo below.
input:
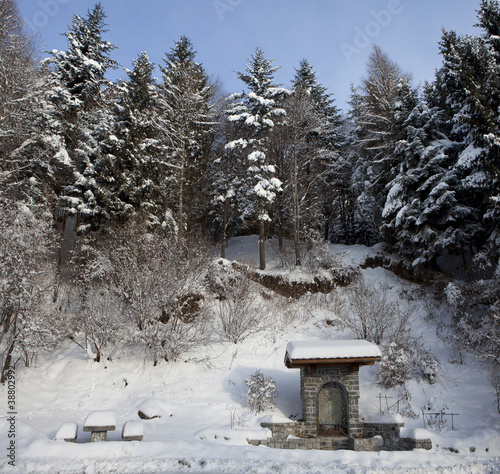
(202, 423)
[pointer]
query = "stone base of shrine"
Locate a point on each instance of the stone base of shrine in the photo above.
(374, 437)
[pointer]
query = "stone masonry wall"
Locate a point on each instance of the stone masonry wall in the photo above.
(390, 433)
(376, 437)
(312, 379)
(361, 436)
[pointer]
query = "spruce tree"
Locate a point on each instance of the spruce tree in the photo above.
(258, 110)
(377, 130)
(327, 139)
(467, 85)
(187, 103)
(416, 208)
(77, 90)
(131, 169)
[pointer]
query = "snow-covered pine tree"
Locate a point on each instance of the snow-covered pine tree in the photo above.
(302, 148)
(466, 86)
(187, 98)
(376, 135)
(78, 93)
(227, 190)
(443, 199)
(348, 225)
(258, 110)
(328, 139)
(131, 169)
(414, 210)
(488, 136)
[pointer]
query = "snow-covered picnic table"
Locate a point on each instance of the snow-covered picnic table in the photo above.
(67, 432)
(132, 431)
(99, 422)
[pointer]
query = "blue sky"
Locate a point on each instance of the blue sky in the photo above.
(335, 36)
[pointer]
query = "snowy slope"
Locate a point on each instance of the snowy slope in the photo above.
(202, 423)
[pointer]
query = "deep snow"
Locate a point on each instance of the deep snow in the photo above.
(203, 423)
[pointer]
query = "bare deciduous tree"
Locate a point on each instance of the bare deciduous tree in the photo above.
(371, 314)
(26, 277)
(142, 287)
(18, 74)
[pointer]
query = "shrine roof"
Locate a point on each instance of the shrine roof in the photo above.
(336, 352)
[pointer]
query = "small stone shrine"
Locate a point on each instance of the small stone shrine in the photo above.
(329, 389)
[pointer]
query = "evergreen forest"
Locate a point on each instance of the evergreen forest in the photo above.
(115, 195)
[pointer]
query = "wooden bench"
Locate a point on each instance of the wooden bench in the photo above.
(99, 422)
(132, 431)
(67, 431)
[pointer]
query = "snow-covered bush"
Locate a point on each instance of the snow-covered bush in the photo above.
(395, 366)
(455, 298)
(96, 321)
(290, 312)
(475, 307)
(370, 313)
(99, 326)
(404, 362)
(160, 279)
(319, 257)
(284, 254)
(427, 366)
(239, 310)
(175, 336)
(262, 392)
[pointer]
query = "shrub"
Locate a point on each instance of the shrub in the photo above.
(370, 313)
(262, 392)
(395, 367)
(239, 310)
(404, 362)
(427, 366)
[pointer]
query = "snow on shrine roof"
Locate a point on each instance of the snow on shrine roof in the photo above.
(331, 352)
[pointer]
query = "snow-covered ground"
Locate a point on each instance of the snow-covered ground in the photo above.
(203, 423)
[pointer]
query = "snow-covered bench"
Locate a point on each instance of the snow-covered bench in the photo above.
(99, 422)
(67, 432)
(132, 431)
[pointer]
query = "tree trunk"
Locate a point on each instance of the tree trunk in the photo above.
(181, 194)
(296, 212)
(225, 219)
(280, 238)
(8, 362)
(262, 244)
